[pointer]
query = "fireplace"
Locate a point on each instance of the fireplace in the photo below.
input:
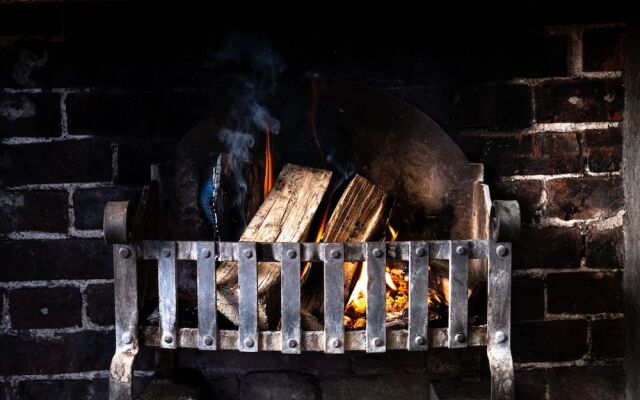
(93, 94)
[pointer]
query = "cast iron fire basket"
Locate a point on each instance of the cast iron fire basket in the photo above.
(291, 339)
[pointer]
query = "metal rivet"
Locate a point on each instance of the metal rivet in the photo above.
(166, 252)
(459, 337)
(500, 337)
(502, 251)
(293, 343)
(248, 342)
(460, 250)
(127, 338)
(248, 253)
(335, 254)
(377, 253)
(377, 342)
(206, 253)
(419, 340)
(420, 252)
(335, 343)
(168, 339)
(291, 253)
(208, 340)
(124, 252)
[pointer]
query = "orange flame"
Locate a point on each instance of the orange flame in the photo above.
(397, 293)
(319, 235)
(268, 168)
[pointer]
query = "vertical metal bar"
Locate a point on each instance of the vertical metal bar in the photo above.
(333, 298)
(499, 321)
(125, 287)
(376, 299)
(207, 324)
(458, 300)
(166, 254)
(290, 298)
(248, 297)
(418, 292)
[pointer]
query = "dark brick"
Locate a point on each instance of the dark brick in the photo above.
(542, 153)
(579, 101)
(384, 386)
(527, 301)
(25, 260)
(553, 247)
(62, 389)
(26, 63)
(605, 249)
(31, 210)
(548, 341)
(31, 19)
(603, 49)
(32, 308)
(30, 115)
(586, 383)
(100, 304)
(495, 107)
(88, 204)
(527, 192)
(530, 385)
(584, 293)
(135, 114)
(63, 353)
(270, 385)
(5, 391)
(607, 339)
(584, 198)
(136, 156)
(603, 149)
(75, 161)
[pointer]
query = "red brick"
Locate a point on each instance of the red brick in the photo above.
(603, 49)
(31, 210)
(32, 308)
(604, 248)
(584, 198)
(580, 100)
(603, 149)
(553, 247)
(584, 293)
(547, 341)
(528, 193)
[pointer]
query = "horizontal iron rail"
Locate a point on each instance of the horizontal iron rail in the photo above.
(228, 251)
(314, 340)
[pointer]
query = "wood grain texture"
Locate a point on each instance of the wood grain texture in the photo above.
(284, 216)
(359, 213)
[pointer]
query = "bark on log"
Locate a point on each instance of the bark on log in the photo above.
(284, 216)
(359, 214)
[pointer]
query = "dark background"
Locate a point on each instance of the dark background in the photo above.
(92, 93)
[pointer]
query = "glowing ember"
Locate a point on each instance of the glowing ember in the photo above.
(397, 294)
(268, 168)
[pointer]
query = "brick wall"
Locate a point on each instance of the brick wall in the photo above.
(85, 108)
(556, 147)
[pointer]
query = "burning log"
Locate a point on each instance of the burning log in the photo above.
(284, 216)
(358, 215)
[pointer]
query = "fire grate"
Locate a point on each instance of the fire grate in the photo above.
(291, 339)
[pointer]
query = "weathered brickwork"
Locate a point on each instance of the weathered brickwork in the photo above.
(82, 116)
